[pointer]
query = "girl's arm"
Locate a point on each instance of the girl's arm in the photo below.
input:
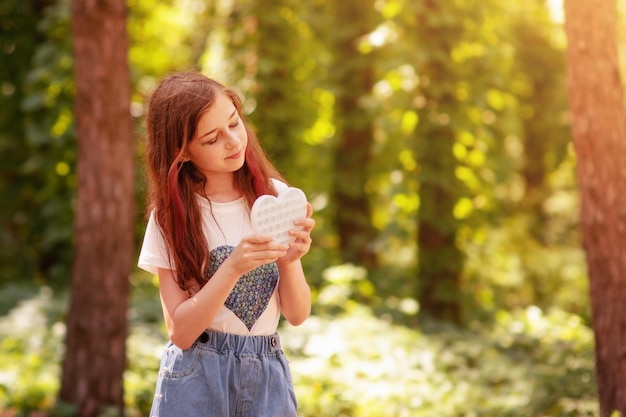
(294, 291)
(187, 317)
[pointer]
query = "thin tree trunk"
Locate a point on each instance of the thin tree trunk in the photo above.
(440, 261)
(543, 132)
(599, 133)
(95, 356)
(276, 43)
(353, 79)
(439, 258)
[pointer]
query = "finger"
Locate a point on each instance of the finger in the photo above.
(301, 247)
(259, 258)
(257, 239)
(298, 250)
(272, 257)
(301, 236)
(307, 223)
(268, 251)
(276, 247)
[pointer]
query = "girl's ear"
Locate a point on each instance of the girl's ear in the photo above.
(182, 156)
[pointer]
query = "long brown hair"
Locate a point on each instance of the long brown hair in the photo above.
(174, 110)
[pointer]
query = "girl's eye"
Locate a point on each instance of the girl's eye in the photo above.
(215, 138)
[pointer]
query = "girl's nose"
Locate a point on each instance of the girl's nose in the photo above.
(233, 140)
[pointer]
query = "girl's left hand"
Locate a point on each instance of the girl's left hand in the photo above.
(301, 245)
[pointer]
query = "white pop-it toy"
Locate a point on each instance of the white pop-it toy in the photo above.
(274, 216)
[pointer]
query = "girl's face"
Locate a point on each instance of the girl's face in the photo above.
(219, 145)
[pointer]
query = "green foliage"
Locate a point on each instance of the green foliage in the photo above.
(477, 86)
(353, 75)
(494, 76)
(38, 144)
(350, 363)
(31, 345)
(507, 269)
(48, 108)
(274, 55)
(151, 54)
(18, 43)
(279, 57)
(281, 86)
(360, 365)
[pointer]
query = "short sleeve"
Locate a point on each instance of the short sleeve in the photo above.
(154, 253)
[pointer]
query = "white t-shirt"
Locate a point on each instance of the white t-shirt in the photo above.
(253, 307)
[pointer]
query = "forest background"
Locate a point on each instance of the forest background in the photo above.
(433, 140)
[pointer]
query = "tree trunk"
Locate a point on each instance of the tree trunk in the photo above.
(439, 258)
(599, 134)
(280, 52)
(440, 261)
(353, 79)
(545, 136)
(95, 356)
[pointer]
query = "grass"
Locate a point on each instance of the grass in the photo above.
(349, 363)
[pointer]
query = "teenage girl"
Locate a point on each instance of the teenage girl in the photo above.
(222, 287)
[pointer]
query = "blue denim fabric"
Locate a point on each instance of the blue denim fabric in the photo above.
(225, 375)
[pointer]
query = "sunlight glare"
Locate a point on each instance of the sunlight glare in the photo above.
(555, 8)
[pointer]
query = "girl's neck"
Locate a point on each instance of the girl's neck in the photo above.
(222, 190)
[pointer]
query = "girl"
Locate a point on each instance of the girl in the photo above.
(222, 288)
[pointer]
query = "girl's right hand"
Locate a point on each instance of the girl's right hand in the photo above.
(254, 251)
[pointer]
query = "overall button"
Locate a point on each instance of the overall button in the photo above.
(204, 337)
(273, 341)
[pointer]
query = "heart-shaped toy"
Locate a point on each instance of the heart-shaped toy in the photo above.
(274, 216)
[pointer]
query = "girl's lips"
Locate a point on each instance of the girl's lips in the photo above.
(235, 156)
